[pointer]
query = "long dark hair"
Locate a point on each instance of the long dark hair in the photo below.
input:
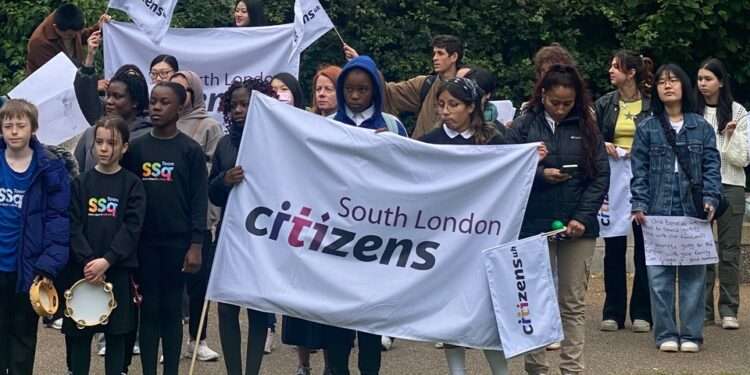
(688, 97)
(135, 82)
(294, 86)
(724, 107)
(643, 66)
(469, 93)
(256, 11)
(559, 75)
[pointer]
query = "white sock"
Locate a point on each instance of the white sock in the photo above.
(496, 359)
(456, 360)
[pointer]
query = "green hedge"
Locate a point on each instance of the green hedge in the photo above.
(500, 34)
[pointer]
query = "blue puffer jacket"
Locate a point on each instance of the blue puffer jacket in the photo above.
(45, 227)
(653, 163)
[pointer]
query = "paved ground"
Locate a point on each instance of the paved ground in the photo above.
(725, 352)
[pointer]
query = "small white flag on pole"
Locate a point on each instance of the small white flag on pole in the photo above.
(310, 23)
(523, 294)
(51, 89)
(151, 16)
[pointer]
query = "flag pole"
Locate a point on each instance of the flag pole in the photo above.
(339, 35)
(554, 232)
(197, 338)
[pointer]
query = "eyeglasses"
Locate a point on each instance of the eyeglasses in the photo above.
(164, 74)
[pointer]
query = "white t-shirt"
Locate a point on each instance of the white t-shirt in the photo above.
(677, 126)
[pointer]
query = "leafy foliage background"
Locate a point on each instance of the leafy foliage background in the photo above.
(501, 35)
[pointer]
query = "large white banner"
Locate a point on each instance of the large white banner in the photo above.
(152, 16)
(51, 89)
(374, 232)
(523, 294)
(219, 55)
(614, 215)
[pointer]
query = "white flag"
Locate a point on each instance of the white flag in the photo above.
(614, 215)
(523, 295)
(51, 89)
(374, 232)
(310, 23)
(152, 16)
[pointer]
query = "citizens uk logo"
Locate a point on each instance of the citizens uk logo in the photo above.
(158, 171)
(103, 206)
(523, 299)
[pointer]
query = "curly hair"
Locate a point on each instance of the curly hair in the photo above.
(135, 82)
(262, 85)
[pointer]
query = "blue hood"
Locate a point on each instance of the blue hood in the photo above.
(368, 65)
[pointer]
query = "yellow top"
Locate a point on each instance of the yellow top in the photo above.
(625, 125)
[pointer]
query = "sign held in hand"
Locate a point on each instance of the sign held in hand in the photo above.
(678, 241)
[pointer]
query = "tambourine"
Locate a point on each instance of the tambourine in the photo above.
(43, 297)
(89, 304)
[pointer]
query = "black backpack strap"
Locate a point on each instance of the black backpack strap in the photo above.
(425, 89)
(671, 136)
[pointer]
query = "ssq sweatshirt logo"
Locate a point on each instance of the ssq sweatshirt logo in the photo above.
(158, 171)
(11, 197)
(103, 206)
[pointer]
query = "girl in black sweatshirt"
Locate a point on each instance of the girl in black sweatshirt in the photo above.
(107, 210)
(173, 170)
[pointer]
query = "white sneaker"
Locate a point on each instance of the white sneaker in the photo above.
(689, 347)
(730, 322)
(608, 325)
(386, 342)
(136, 349)
(439, 345)
(268, 348)
(161, 359)
(57, 324)
(102, 351)
(640, 326)
(554, 346)
(669, 346)
(205, 354)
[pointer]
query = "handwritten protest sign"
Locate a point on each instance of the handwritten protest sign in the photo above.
(678, 241)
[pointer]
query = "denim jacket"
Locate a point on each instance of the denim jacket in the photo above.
(653, 163)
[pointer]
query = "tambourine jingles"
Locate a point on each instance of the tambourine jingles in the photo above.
(43, 297)
(89, 303)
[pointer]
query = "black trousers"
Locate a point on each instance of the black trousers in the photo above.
(130, 340)
(231, 339)
(615, 280)
(339, 347)
(196, 288)
(18, 325)
(80, 353)
(162, 285)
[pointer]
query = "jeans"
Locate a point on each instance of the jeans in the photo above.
(691, 280)
(615, 280)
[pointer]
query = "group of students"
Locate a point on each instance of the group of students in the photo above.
(165, 168)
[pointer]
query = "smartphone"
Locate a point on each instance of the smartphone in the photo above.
(569, 169)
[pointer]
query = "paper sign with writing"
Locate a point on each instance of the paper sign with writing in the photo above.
(678, 241)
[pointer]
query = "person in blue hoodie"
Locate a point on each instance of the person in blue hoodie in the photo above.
(359, 93)
(34, 230)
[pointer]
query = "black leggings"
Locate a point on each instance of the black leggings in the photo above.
(340, 347)
(196, 289)
(231, 339)
(80, 353)
(162, 285)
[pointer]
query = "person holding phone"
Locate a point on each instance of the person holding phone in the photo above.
(560, 116)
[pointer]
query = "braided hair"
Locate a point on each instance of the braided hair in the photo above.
(135, 82)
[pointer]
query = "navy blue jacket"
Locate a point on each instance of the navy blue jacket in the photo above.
(377, 121)
(44, 242)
